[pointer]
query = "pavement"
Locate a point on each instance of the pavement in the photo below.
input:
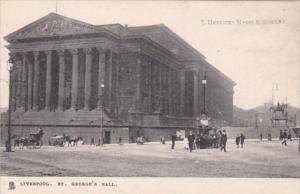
(257, 159)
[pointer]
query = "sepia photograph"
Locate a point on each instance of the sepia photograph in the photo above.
(182, 89)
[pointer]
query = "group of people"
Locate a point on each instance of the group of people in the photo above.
(193, 141)
(240, 140)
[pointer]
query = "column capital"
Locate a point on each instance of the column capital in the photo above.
(48, 52)
(60, 52)
(88, 50)
(35, 53)
(100, 50)
(23, 54)
(12, 57)
(74, 51)
(195, 73)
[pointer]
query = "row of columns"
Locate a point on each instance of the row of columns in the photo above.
(29, 84)
(165, 88)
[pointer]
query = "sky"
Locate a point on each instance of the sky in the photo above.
(256, 44)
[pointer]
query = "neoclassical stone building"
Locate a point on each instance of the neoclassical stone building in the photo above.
(110, 81)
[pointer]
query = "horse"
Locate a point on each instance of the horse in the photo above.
(33, 140)
(72, 140)
(19, 141)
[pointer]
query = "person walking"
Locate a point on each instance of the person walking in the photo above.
(280, 135)
(198, 141)
(162, 140)
(237, 141)
(223, 140)
(242, 140)
(92, 141)
(191, 139)
(173, 138)
(219, 139)
(261, 136)
(284, 138)
(289, 137)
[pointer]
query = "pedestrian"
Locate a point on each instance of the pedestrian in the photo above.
(162, 140)
(173, 138)
(289, 137)
(92, 141)
(198, 141)
(223, 140)
(280, 135)
(261, 136)
(237, 141)
(269, 136)
(242, 140)
(219, 139)
(284, 137)
(191, 139)
(120, 140)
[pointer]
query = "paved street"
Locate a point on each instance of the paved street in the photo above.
(257, 159)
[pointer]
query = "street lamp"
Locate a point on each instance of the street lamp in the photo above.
(102, 107)
(204, 82)
(221, 119)
(8, 142)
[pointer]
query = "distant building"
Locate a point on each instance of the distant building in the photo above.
(76, 78)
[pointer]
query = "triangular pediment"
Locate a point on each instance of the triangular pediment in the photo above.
(52, 25)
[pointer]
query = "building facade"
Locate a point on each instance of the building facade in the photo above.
(110, 81)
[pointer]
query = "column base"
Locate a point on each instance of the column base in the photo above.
(86, 109)
(35, 109)
(72, 109)
(45, 110)
(20, 110)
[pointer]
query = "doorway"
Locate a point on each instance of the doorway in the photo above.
(107, 137)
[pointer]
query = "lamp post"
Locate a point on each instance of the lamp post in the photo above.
(8, 142)
(101, 111)
(221, 119)
(204, 82)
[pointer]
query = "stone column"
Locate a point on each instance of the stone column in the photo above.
(160, 91)
(196, 93)
(87, 83)
(138, 84)
(165, 81)
(48, 79)
(110, 74)
(61, 80)
(117, 86)
(36, 80)
(74, 90)
(12, 60)
(182, 92)
(19, 83)
(170, 90)
(101, 77)
(150, 82)
(24, 82)
(29, 86)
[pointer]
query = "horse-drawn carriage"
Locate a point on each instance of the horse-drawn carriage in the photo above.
(140, 140)
(34, 140)
(57, 140)
(62, 140)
